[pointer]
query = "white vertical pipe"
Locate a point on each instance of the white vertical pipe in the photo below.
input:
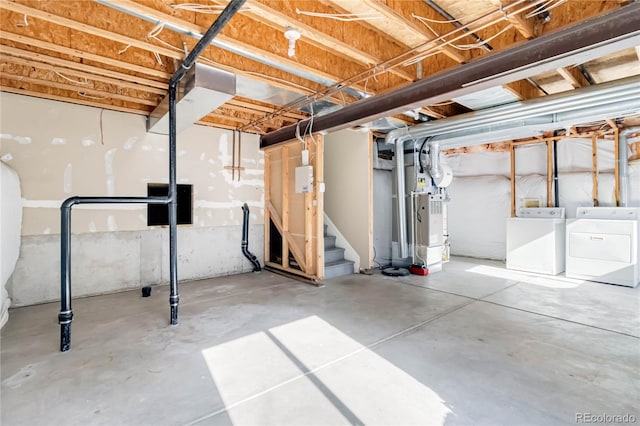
(401, 204)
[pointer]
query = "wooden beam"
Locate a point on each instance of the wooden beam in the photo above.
(263, 108)
(79, 74)
(32, 42)
(573, 76)
(53, 97)
(81, 90)
(594, 154)
(523, 90)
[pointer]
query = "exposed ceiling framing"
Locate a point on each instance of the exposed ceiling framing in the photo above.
(119, 54)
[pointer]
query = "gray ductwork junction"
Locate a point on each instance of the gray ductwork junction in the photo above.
(202, 90)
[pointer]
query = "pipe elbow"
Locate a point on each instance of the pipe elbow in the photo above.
(69, 202)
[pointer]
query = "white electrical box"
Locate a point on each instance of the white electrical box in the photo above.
(304, 179)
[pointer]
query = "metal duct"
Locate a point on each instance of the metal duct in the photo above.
(400, 201)
(623, 154)
(434, 160)
(202, 90)
(530, 118)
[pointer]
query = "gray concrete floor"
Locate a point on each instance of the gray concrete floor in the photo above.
(475, 344)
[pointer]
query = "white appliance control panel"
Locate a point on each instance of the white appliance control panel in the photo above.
(619, 213)
(541, 212)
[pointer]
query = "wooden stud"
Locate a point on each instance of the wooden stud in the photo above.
(512, 159)
(319, 207)
(267, 212)
(573, 76)
(285, 208)
(594, 153)
(298, 255)
(550, 200)
(308, 232)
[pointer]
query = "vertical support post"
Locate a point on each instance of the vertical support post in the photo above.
(549, 174)
(319, 182)
(309, 260)
(512, 157)
(267, 212)
(66, 314)
(370, 202)
(285, 206)
(174, 298)
(616, 170)
(594, 169)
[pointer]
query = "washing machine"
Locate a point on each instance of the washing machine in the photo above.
(536, 240)
(602, 245)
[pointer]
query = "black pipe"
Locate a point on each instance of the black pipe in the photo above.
(66, 314)
(245, 239)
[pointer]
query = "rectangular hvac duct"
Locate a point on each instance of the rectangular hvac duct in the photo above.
(202, 90)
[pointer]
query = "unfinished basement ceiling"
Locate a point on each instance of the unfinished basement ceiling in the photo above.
(119, 54)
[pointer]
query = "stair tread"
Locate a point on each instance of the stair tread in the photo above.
(334, 248)
(339, 262)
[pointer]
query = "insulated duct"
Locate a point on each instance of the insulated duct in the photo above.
(623, 159)
(202, 90)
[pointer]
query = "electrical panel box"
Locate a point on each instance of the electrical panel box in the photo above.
(304, 179)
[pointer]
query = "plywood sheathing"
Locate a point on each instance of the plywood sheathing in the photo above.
(368, 48)
(90, 43)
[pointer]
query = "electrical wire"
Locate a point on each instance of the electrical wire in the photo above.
(85, 82)
(544, 8)
(344, 17)
(98, 98)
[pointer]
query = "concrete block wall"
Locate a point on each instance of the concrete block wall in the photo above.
(61, 150)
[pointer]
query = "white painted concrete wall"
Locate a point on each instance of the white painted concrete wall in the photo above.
(347, 200)
(10, 224)
(61, 150)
